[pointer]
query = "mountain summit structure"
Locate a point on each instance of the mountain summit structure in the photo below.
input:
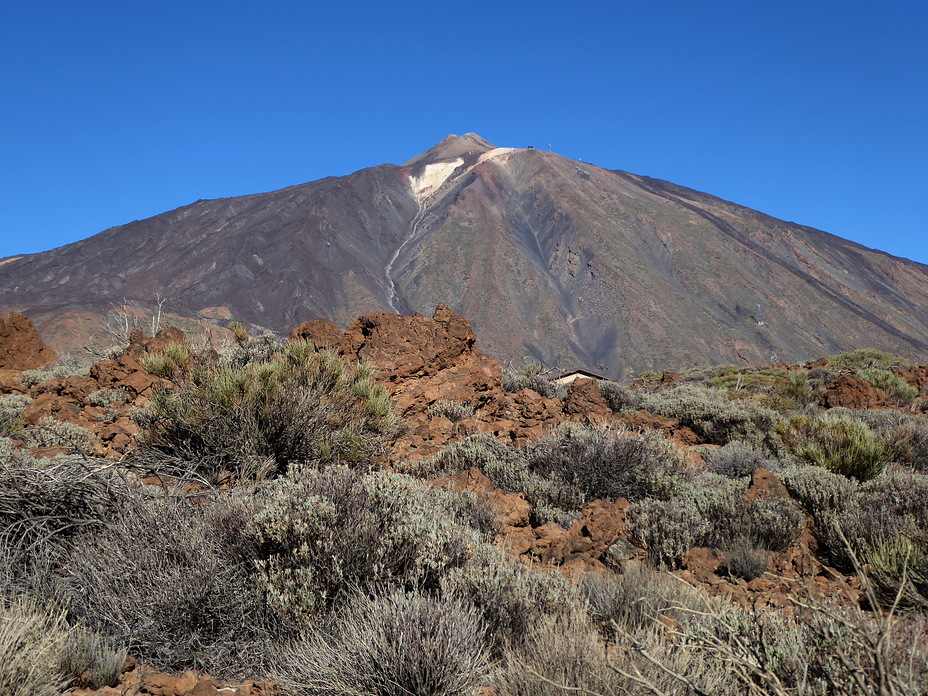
(564, 262)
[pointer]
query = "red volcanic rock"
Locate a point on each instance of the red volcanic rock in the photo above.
(850, 391)
(584, 397)
(140, 343)
(602, 524)
(11, 382)
(512, 509)
(416, 346)
(21, 347)
(644, 420)
(322, 333)
(764, 484)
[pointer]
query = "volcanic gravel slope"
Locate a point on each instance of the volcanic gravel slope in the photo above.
(571, 264)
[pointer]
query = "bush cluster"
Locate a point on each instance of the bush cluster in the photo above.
(332, 576)
(531, 376)
(897, 389)
(715, 418)
(836, 441)
(867, 357)
(12, 408)
(244, 415)
(452, 410)
(709, 510)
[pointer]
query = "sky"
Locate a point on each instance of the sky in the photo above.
(813, 112)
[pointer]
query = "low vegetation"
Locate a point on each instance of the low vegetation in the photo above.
(255, 530)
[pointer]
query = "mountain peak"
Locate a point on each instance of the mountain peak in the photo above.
(467, 146)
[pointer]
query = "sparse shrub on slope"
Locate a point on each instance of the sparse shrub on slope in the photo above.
(867, 357)
(63, 368)
(175, 584)
(482, 451)
(12, 408)
(301, 405)
(31, 641)
(620, 398)
(897, 389)
(886, 516)
(737, 459)
(90, 657)
(47, 501)
(452, 410)
(712, 416)
(530, 376)
(836, 441)
(321, 533)
(509, 596)
(710, 510)
(105, 397)
(390, 644)
(634, 598)
(56, 434)
(604, 464)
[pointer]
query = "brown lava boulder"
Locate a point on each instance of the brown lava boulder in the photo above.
(21, 347)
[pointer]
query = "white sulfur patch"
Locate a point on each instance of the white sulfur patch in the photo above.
(495, 152)
(432, 177)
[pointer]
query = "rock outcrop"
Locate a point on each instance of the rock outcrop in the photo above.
(21, 346)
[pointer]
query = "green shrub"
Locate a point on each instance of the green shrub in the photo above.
(299, 406)
(60, 370)
(508, 596)
(391, 644)
(840, 443)
(867, 357)
(530, 376)
(799, 389)
(896, 388)
(321, 533)
(105, 397)
(604, 464)
(712, 416)
(452, 410)
(619, 398)
(239, 332)
(12, 408)
(88, 656)
(59, 434)
(899, 565)
(159, 365)
(31, 639)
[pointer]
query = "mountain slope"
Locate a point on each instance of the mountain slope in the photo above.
(566, 262)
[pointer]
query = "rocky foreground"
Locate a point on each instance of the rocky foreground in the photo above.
(447, 394)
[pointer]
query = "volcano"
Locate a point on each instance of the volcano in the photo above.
(552, 259)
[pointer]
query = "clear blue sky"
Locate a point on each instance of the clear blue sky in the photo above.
(813, 112)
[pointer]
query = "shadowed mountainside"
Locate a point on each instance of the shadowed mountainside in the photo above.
(571, 264)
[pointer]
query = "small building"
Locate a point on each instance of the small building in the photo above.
(566, 378)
